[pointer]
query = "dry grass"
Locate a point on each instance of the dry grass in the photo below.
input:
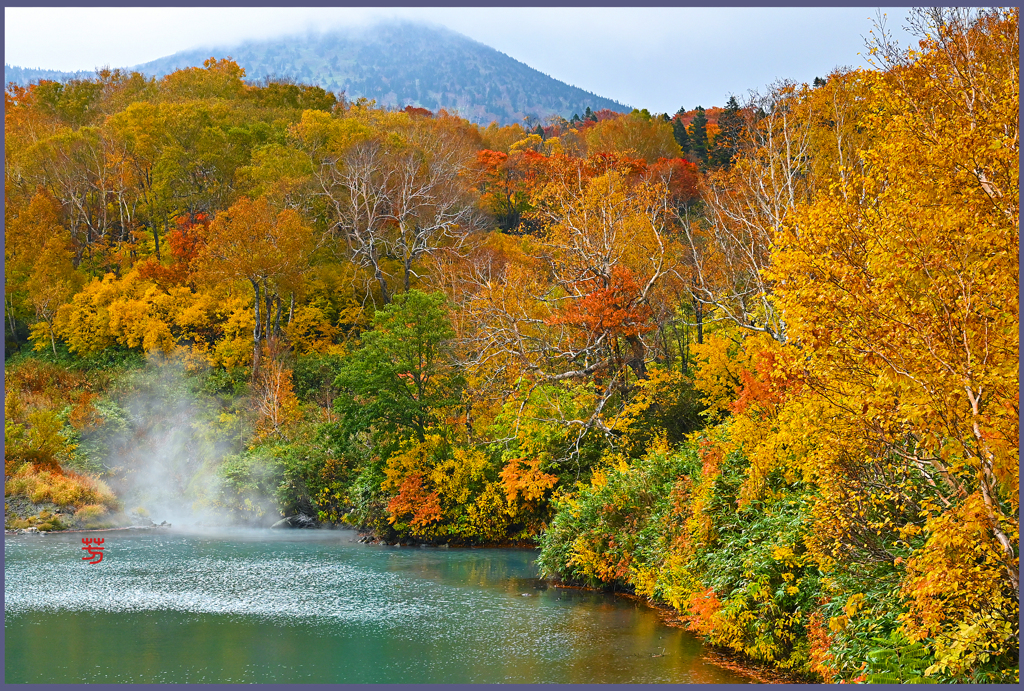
(44, 378)
(90, 511)
(63, 489)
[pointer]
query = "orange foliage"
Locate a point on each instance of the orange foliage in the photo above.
(701, 609)
(185, 243)
(276, 402)
(413, 500)
(524, 477)
(84, 415)
(680, 176)
(822, 659)
(768, 385)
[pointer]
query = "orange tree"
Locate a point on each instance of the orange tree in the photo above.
(250, 242)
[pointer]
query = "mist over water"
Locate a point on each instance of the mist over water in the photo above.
(315, 606)
(164, 443)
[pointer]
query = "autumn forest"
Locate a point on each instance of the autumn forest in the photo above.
(756, 363)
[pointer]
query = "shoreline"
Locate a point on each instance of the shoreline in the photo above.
(716, 655)
(26, 531)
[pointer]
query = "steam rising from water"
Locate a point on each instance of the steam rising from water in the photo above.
(165, 444)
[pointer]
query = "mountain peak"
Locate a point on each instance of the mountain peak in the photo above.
(399, 63)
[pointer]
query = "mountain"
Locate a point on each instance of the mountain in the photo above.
(27, 75)
(402, 63)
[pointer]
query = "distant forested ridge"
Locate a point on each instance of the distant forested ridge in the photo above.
(24, 76)
(397, 64)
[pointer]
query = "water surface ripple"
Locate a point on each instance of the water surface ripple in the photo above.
(315, 606)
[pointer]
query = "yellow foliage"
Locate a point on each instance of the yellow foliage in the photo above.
(900, 283)
(235, 347)
(676, 582)
(638, 432)
(84, 323)
(412, 458)
(647, 138)
(36, 437)
(454, 478)
(310, 331)
(90, 511)
(490, 514)
(719, 362)
(958, 591)
(644, 580)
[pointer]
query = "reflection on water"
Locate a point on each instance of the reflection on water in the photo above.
(314, 606)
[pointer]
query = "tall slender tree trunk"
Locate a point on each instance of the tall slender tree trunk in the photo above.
(383, 287)
(256, 330)
(698, 310)
(379, 276)
(268, 301)
(637, 356)
(10, 318)
(167, 230)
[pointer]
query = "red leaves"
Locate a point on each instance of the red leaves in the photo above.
(766, 387)
(618, 309)
(418, 112)
(185, 243)
(507, 181)
(188, 238)
(680, 176)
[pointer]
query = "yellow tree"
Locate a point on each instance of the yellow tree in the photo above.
(397, 186)
(577, 309)
(52, 284)
(794, 140)
(901, 286)
(636, 134)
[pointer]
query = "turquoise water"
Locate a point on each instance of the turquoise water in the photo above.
(316, 607)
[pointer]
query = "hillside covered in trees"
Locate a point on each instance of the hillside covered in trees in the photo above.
(396, 64)
(758, 364)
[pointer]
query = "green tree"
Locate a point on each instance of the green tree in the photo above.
(682, 137)
(730, 126)
(699, 135)
(402, 379)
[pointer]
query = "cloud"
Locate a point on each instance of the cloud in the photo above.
(655, 58)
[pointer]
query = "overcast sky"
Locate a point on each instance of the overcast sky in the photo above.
(655, 58)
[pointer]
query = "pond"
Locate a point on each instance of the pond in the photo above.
(315, 606)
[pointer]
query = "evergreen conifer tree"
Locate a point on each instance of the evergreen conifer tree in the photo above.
(730, 126)
(682, 137)
(699, 135)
